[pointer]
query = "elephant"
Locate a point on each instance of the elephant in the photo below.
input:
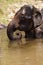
(24, 20)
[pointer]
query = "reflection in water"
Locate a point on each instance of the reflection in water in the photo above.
(20, 52)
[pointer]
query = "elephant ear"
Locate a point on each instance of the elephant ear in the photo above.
(37, 12)
(37, 17)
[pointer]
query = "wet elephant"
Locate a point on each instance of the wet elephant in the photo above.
(24, 20)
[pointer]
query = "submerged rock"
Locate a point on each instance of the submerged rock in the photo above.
(2, 26)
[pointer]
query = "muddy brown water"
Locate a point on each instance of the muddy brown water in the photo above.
(20, 52)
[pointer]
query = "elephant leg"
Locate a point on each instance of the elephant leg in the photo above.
(10, 30)
(30, 34)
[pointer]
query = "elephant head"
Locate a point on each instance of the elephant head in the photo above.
(24, 20)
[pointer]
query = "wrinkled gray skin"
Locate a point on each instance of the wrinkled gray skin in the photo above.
(27, 19)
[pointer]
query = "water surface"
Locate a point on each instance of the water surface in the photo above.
(20, 52)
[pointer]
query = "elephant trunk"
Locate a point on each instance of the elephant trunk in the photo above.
(10, 30)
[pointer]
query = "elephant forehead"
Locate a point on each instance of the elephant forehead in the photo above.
(27, 9)
(23, 11)
(31, 6)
